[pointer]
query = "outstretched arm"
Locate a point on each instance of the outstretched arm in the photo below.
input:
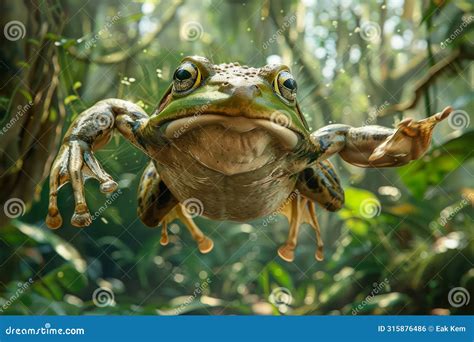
(376, 146)
(75, 161)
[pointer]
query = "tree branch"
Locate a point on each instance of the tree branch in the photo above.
(120, 56)
(301, 58)
(423, 84)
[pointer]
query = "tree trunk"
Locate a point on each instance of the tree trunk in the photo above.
(32, 112)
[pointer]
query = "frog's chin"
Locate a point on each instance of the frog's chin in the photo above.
(231, 145)
(285, 136)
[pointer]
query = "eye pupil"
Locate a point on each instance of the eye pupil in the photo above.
(186, 77)
(285, 86)
(290, 84)
(182, 74)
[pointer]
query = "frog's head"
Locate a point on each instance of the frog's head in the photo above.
(246, 106)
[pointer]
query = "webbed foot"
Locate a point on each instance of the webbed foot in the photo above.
(299, 210)
(74, 163)
(205, 244)
(410, 140)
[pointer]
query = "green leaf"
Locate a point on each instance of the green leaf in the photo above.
(53, 115)
(26, 94)
(130, 18)
(382, 304)
(23, 64)
(63, 248)
(76, 85)
(280, 275)
(70, 99)
(361, 206)
(185, 304)
(419, 175)
(434, 8)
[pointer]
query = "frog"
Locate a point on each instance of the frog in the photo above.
(228, 142)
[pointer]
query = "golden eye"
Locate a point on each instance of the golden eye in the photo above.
(285, 86)
(186, 77)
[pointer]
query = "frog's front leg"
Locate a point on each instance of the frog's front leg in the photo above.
(376, 146)
(157, 205)
(75, 161)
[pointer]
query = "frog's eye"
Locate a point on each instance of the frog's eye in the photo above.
(186, 77)
(285, 86)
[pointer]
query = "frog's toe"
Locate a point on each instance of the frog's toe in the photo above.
(205, 245)
(164, 233)
(54, 219)
(108, 186)
(81, 219)
(164, 241)
(443, 114)
(287, 253)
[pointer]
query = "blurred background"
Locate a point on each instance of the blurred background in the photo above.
(401, 245)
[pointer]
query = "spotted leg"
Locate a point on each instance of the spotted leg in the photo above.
(76, 161)
(376, 146)
(155, 201)
(320, 184)
(157, 205)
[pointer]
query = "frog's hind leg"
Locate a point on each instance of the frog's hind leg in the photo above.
(293, 209)
(319, 183)
(205, 244)
(157, 205)
(155, 201)
(299, 209)
(313, 222)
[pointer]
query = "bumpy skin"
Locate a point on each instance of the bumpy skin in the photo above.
(235, 142)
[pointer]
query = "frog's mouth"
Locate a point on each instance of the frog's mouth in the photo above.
(287, 138)
(231, 145)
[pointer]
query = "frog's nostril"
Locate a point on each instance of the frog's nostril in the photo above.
(247, 92)
(226, 87)
(257, 89)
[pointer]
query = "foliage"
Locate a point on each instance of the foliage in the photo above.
(404, 259)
